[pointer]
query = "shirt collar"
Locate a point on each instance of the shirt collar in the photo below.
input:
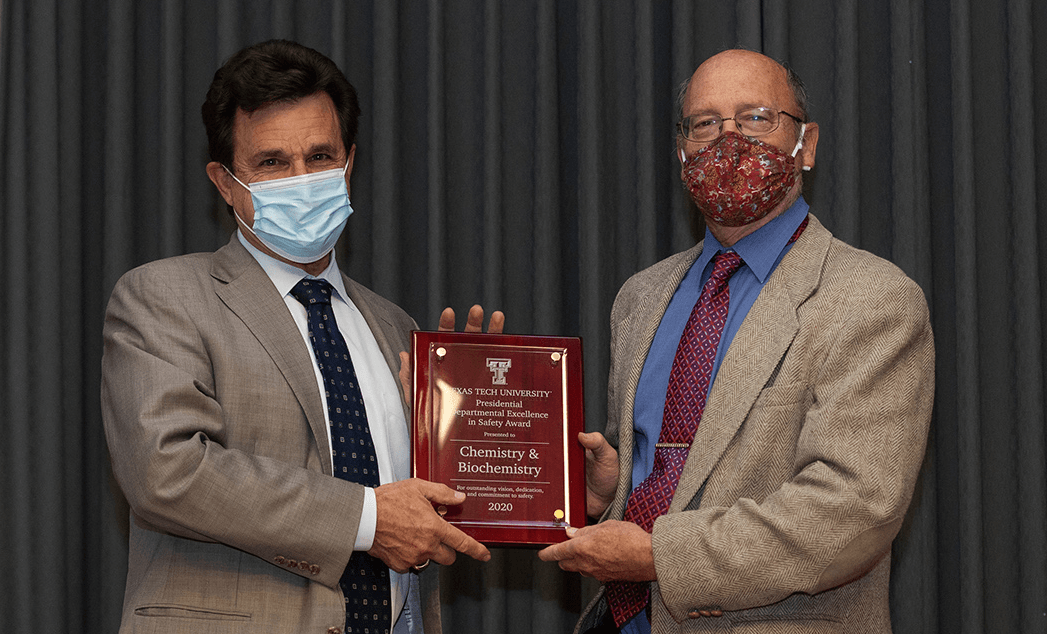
(284, 276)
(760, 249)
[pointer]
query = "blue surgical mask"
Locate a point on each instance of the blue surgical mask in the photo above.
(299, 217)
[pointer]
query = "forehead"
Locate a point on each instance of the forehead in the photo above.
(736, 79)
(287, 127)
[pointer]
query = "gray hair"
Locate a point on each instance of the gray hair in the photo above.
(799, 90)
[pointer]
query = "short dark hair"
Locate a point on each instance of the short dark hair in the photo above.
(277, 71)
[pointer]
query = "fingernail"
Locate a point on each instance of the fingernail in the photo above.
(459, 495)
(571, 531)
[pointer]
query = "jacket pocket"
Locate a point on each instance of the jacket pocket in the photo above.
(187, 612)
(783, 395)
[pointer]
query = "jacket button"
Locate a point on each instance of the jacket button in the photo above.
(280, 559)
(314, 569)
(303, 565)
(334, 630)
(291, 563)
(695, 613)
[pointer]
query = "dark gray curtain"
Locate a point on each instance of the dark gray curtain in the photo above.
(519, 155)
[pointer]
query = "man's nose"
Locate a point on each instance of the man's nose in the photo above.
(298, 167)
(731, 122)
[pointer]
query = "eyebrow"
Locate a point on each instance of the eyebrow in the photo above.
(268, 153)
(739, 108)
(321, 148)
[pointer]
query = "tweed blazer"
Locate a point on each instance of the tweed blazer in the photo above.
(217, 438)
(808, 451)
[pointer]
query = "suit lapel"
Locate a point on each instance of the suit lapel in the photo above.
(754, 354)
(639, 331)
(245, 288)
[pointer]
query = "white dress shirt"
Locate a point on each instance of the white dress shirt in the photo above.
(381, 394)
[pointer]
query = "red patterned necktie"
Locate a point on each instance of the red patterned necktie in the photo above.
(684, 403)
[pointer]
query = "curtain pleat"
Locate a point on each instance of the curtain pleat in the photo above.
(652, 146)
(909, 232)
(171, 170)
(70, 505)
(969, 497)
(998, 441)
(389, 141)
(500, 144)
(46, 484)
(549, 255)
(593, 187)
(521, 156)
(1028, 351)
(16, 467)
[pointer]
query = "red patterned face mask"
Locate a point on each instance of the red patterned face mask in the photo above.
(736, 180)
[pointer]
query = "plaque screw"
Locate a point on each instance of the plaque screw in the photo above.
(558, 514)
(441, 353)
(442, 510)
(556, 357)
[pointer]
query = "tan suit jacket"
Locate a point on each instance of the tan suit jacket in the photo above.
(217, 438)
(807, 454)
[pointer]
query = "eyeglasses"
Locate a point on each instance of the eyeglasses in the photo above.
(754, 122)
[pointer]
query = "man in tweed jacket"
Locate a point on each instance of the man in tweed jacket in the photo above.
(804, 462)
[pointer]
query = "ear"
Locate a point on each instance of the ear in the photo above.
(349, 170)
(222, 181)
(349, 161)
(810, 146)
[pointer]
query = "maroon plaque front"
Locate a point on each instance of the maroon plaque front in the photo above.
(497, 417)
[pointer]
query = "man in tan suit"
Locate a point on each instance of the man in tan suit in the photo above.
(801, 459)
(214, 403)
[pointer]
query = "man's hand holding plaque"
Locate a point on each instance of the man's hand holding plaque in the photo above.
(409, 534)
(408, 531)
(473, 323)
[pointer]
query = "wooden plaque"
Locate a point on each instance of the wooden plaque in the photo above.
(497, 417)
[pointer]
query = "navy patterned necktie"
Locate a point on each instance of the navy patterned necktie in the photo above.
(365, 582)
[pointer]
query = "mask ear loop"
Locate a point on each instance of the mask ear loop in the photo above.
(799, 144)
(243, 225)
(242, 183)
(236, 214)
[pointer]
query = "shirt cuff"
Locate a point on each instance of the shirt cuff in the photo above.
(368, 522)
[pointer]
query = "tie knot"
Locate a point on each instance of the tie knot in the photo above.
(724, 265)
(312, 291)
